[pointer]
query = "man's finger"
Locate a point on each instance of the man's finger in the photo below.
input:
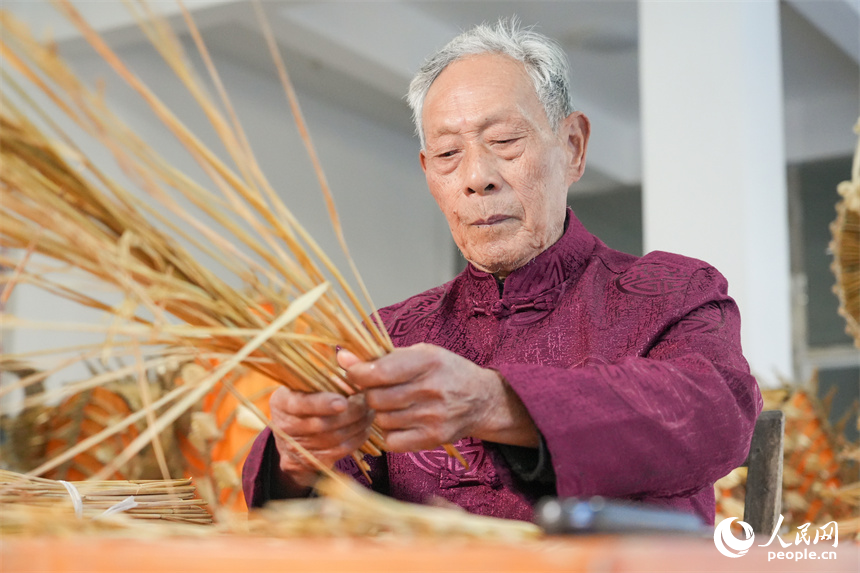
(346, 359)
(399, 419)
(402, 365)
(413, 439)
(305, 405)
(328, 447)
(328, 425)
(388, 398)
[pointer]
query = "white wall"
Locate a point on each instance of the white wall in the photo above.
(714, 162)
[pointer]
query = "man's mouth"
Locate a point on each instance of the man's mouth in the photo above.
(490, 220)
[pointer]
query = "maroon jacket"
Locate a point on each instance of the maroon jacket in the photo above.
(630, 367)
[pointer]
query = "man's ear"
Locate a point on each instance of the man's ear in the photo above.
(422, 158)
(576, 130)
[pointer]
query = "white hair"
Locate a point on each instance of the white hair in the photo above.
(544, 60)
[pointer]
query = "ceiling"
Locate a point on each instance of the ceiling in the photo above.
(361, 54)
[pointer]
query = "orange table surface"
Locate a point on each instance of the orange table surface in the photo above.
(259, 555)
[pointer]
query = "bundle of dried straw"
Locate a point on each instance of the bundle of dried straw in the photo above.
(347, 509)
(57, 203)
(36, 505)
(168, 500)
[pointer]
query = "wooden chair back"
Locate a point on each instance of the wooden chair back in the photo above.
(763, 501)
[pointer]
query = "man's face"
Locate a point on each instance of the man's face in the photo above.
(493, 163)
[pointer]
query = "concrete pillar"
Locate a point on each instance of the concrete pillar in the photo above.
(714, 182)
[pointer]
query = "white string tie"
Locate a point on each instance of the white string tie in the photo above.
(124, 505)
(77, 501)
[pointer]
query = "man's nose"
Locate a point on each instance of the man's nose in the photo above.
(482, 175)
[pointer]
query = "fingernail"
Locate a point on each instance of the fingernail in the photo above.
(338, 348)
(338, 403)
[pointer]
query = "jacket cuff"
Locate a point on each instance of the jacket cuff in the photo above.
(262, 479)
(532, 465)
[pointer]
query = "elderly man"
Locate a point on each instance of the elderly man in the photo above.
(554, 364)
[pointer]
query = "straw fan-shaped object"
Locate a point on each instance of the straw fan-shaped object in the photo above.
(85, 414)
(208, 443)
(846, 248)
(58, 204)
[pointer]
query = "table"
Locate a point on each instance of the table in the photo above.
(213, 554)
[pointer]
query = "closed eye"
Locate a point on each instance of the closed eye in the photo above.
(507, 142)
(508, 148)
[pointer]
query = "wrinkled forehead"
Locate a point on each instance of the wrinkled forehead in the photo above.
(479, 90)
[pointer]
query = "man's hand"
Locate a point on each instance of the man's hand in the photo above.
(328, 425)
(425, 396)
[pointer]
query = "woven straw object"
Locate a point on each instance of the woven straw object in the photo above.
(846, 248)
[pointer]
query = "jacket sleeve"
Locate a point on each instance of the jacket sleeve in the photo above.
(263, 481)
(666, 422)
(259, 474)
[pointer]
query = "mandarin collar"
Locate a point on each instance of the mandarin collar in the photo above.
(535, 288)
